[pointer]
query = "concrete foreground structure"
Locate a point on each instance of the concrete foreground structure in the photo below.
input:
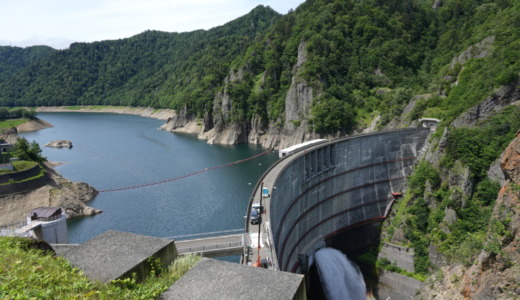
(213, 279)
(114, 254)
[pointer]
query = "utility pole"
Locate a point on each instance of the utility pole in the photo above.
(258, 264)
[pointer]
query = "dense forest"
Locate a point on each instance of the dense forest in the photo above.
(390, 59)
(363, 58)
(154, 68)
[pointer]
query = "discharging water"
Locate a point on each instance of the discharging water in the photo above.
(112, 151)
(340, 278)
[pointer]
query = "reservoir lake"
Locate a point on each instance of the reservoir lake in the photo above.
(115, 151)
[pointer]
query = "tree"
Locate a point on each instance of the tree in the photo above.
(28, 151)
(332, 115)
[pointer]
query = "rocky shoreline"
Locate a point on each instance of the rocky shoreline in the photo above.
(33, 125)
(58, 191)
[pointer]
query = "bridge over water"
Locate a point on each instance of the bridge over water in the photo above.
(332, 194)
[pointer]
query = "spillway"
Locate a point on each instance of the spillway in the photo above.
(340, 278)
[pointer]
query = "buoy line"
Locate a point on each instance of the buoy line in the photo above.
(185, 176)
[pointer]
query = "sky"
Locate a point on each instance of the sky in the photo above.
(58, 23)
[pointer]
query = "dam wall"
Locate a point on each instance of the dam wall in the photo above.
(335, 187)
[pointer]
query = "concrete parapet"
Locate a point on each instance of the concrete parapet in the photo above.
(213, 279)
(115, 255)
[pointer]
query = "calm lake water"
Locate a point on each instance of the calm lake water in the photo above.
(113, 151)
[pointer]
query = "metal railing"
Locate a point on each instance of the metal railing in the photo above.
(206, 234)
(207, 248)
(12, 229)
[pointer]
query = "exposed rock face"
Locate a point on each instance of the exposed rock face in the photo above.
(479, 50)
(436, 4)
(9, 135)
(496, 272)
(502, 98)
(292, 128)
(297, 106)
(59, 144)
(61, 192)
(496, 275)
(72, 196)
(510, 161)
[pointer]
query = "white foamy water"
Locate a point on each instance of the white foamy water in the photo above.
(340, 278)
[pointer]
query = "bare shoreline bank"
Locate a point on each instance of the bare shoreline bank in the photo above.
(160, 114)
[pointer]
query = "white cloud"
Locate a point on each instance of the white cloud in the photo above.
(23, 21)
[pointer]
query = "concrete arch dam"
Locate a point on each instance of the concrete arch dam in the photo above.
(335, 189)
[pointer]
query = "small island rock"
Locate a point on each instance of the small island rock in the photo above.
(60, 144)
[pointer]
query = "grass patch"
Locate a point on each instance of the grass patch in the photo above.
(12, 123)
(27, 273)
(19, 166)
(23, 165)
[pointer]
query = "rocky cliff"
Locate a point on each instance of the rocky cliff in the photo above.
(289, 129)
(495, 273)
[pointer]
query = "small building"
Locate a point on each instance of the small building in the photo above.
(430, 123)
(5, 146)
(48, 224)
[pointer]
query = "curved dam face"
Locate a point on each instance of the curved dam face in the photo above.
(337, 188)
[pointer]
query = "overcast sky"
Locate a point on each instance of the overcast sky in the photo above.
(58, 23)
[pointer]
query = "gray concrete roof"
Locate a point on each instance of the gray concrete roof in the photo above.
(113, 253)
(213, 279)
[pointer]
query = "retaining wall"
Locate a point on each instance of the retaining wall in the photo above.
(17, 176)
(25, 186)
(402, 257)
(330, 188)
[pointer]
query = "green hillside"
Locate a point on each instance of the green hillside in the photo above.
(154, 68)
(363, 56)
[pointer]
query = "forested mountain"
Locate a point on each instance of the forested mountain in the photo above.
(14, 59)
(154, 68)
(360, 58)
(329, 68)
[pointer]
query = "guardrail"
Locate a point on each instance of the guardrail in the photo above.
(207, 234)
(12, 229)
(207, 248)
